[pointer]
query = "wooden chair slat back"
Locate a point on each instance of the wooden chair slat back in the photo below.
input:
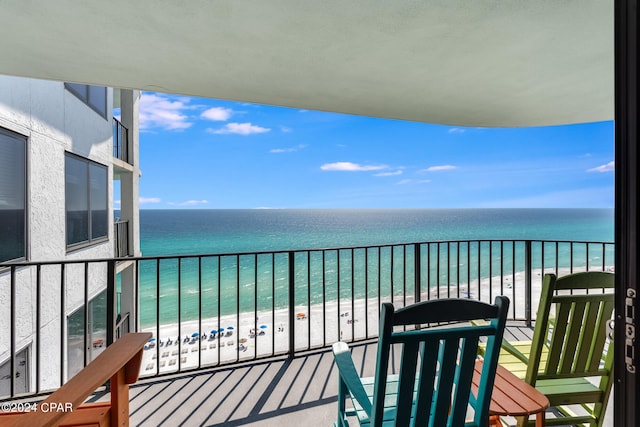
(573, 315)
(436, 364)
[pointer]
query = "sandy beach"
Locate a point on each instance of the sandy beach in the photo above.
(251, 335)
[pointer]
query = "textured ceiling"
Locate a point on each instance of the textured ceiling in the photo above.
(475, 63)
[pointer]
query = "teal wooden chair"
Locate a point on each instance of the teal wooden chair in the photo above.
(569, 359)
(433, 387)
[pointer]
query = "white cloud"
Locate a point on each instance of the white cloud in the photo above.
(439, 168)
(287, 150)
(609, 167)
(394, 173)
(413, 181)
(144, 200)
(285, 129)
(217, 114)
(456, 130)
(189, 203)
(117, 202)
(157, 111)
(239, 129)
(351, 167)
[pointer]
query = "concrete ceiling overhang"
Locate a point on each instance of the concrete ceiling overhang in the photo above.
(499, 63)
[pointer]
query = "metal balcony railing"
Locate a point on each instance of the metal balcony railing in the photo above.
(277, 303)
(120, 141)
(121, 239)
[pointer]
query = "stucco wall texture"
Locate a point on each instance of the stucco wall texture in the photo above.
(54, 122)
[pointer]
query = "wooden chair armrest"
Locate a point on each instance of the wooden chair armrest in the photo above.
(506, 345)
(511, 349)
(349, 375)
(119, 362)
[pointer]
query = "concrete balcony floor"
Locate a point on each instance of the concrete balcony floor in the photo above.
(274, 393)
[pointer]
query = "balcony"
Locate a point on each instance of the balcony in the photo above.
(274, 393)
(120, 141)
(285, 309)
(121, 239)
(271, 393)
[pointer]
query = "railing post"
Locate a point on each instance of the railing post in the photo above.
(126, 144)
(111, 301)
(85, 313)
(63, 320)
(127, 246)
(38, 340)
(12, 344)
(417, 272)
(527, 282)
(116, 239)
(292, 302)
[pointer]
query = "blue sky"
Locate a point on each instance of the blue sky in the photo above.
(203, 153)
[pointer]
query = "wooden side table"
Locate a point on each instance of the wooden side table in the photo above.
(512, 396)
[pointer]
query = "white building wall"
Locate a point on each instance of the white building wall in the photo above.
(54, 121)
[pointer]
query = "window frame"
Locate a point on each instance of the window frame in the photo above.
(25, 231)
(91, 241)
(85, 97)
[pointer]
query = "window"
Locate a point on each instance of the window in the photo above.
(20, 374)
(95, 332)
(86, 200)
(13, 161)
(94, 96)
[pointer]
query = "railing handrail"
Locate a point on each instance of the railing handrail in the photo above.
(287, 251)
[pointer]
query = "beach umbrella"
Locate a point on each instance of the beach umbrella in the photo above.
(214, 331)
(221, 330)
(263, 326)
(230, 328)
(195, 334)
(151, 339)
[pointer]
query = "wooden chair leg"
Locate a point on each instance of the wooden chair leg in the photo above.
(494, 420)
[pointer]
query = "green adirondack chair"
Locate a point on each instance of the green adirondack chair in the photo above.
(569, 348)
(433, 386)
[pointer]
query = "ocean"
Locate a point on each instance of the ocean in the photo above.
(180, 232)
(225, 285)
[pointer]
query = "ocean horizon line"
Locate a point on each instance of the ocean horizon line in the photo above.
(267, 208)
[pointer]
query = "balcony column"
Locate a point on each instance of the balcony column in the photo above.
(129, 185)
(129, 206)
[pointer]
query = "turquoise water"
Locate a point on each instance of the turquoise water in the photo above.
(176, 232)
(224, 285)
